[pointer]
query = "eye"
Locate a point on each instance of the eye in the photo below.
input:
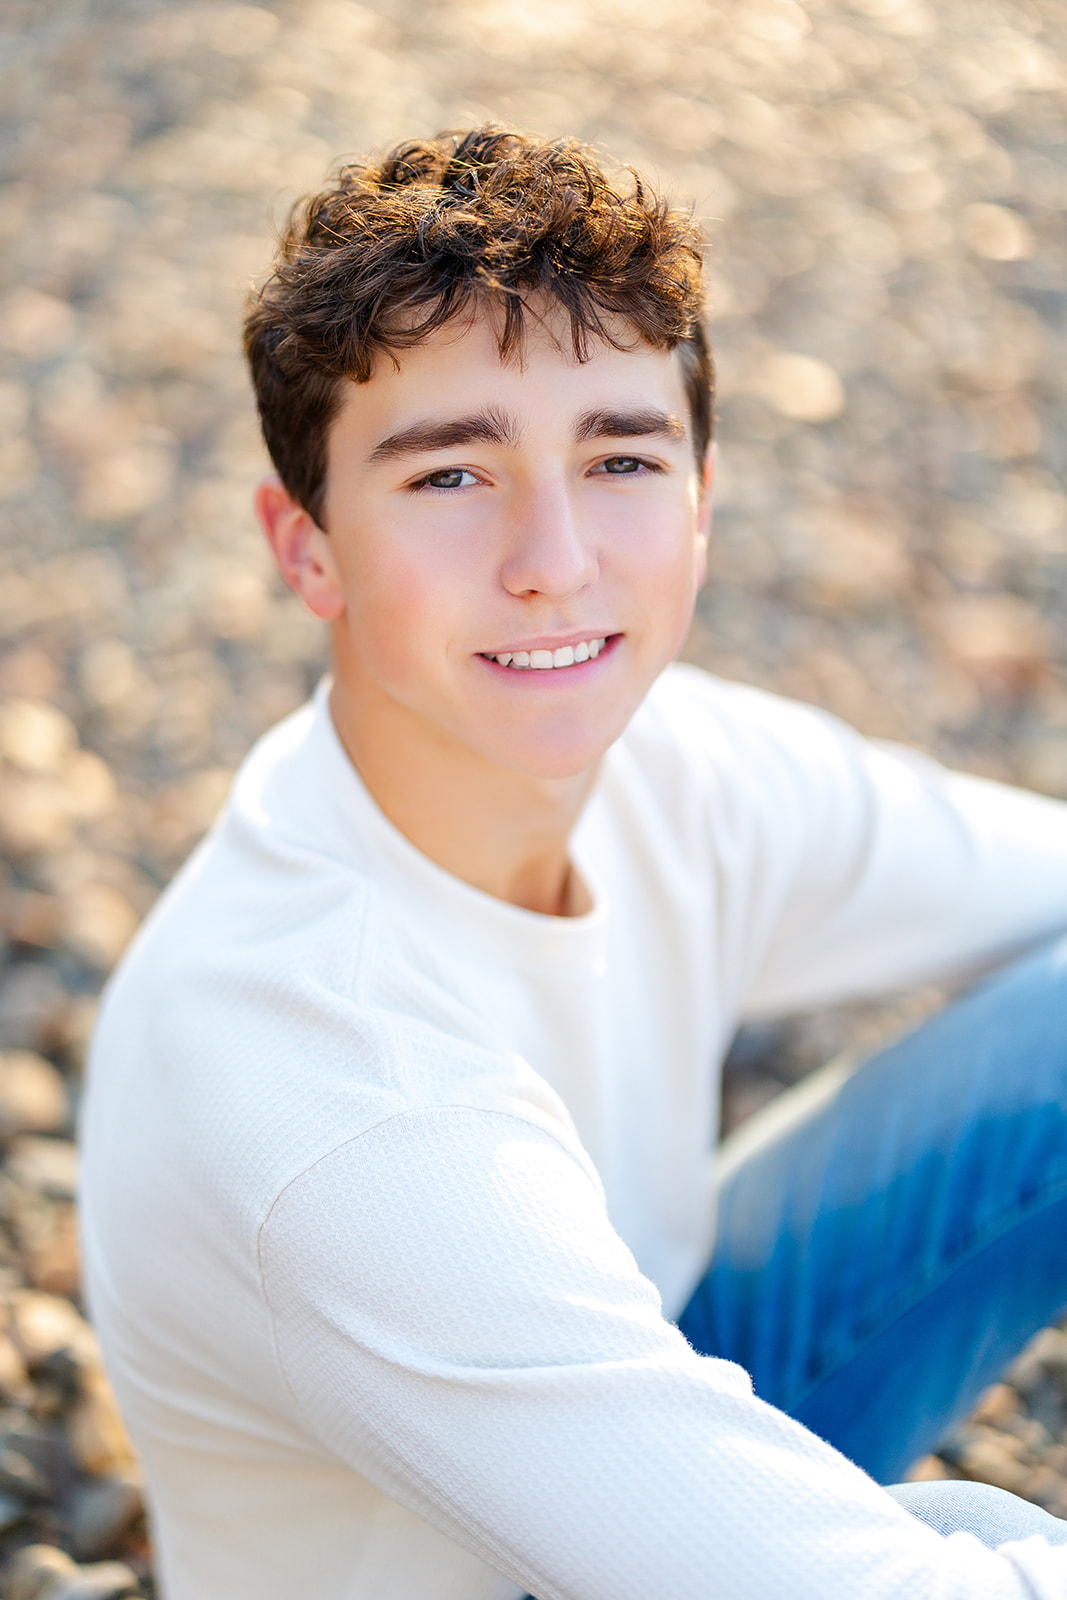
(447, 478)
(623, 466)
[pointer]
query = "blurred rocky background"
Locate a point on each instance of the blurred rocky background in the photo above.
(883, 183)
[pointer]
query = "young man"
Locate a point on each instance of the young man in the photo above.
(401, 1113)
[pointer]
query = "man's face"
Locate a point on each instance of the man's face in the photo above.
(485, 519)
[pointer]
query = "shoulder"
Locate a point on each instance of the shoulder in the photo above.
(737, 743)
(696, 708)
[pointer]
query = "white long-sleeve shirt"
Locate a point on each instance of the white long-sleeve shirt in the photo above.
(388, 1184)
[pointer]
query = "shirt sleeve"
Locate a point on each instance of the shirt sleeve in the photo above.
(455, 1318)
(857, 867)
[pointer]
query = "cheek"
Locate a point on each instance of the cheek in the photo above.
(660, 555)
(400, 611)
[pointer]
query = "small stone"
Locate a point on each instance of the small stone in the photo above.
(14, 406)
(98, 923)
(35, 736)
(108, 673)
(14, 1380)
(33, 1096)
(128, 480)
(33, 324)
(34, 812)
(91, 789)
(929, 1469)
(28, 1461)
(96, 1432)
(33, 918)
(32, 1002)
(33, 1576)
(12, 1510)
(997, 232)
(851, 556)
(800, 387)
(47, 1166)
(1045, 1354)
(43, 1324)
(29, 674)
(19, 465)
(74, 1029)
(1046, 1488)
(32, 1568)
(51, 1250)
(241, 30)
(988, 1456)
(102, 1512)
(107, 1580)
(996, 1405)
(999, 639)
(743, 1096)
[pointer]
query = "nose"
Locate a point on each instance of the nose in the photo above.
(549, 552)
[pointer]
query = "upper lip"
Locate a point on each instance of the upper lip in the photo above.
(545, 643)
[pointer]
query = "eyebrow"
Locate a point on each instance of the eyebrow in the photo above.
(642, 423)
(483, 427)
(494, 427)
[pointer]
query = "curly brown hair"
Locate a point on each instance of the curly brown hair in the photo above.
(399, 246)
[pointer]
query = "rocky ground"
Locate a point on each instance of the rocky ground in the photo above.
(883, 183)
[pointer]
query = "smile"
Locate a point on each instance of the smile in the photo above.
(546, 660)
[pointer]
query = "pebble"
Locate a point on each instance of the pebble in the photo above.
(33, 324)
(12, 1511)
(42, 1572)
(33, 999)
(48, 1166)
(98, 923)
(29, 1461)
(14, 1378)
(800, 387)
(48, 1237)
(33, 1094)
(35, 736)
(997, 232)
(102, 1511)
(32, 1568)
(42, 1325)
(998, 1405)
(96, 1433)
(1000, 640)
(988, 1456)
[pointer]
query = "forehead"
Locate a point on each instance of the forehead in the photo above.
(542, 386)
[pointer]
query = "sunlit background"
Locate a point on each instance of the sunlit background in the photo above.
(883, 185)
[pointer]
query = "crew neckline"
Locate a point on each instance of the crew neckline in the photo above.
(505, 934)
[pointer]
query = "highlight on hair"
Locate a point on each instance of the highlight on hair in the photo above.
(398, 247)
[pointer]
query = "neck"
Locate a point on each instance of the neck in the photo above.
(503, 832)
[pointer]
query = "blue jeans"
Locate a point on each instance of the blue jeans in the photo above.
(887, 1241)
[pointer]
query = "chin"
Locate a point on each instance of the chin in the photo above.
(555, 756)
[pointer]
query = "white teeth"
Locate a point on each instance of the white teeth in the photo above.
(541, 660)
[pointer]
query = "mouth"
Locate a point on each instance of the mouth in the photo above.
(568, 655)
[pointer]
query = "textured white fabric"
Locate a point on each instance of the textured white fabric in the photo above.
(384, 1179)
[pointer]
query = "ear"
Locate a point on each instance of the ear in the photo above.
(301, 549)
(703, 529)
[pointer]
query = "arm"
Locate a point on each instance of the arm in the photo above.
(855, 867)
(456, 1319)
